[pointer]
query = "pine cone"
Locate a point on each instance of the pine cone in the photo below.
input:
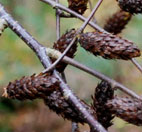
(46, 86)
(58, 104)
(117, 22)
(132, 6)
(79, 6)
(35, 86)
(62, 44)
(103, 93)
(127, 109)
(108, 46)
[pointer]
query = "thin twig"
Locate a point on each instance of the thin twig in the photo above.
(56, 54)
(57, 5)
(57, 23)
(75, 127)
(75, 37)
(45, 60)
(91, 8)
(93, 25)
(137, 64)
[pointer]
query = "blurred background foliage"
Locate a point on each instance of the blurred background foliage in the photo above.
(17, 60)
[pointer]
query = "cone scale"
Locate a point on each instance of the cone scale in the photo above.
(108, 46)
(117, 22)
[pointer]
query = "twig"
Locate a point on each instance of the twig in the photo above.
(57, 22)
(75, 127)
(137, 64)
(41, 53)
(56, 54)
(91, 8)
(92, 24)
(57, 5)
(74, 39)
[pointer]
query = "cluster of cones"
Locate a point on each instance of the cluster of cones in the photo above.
(104, 108)
(105, 105)
(110, 46)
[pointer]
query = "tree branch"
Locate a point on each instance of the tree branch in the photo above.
(92, 24)
(56, 54)
(40, 51)
(75, 37)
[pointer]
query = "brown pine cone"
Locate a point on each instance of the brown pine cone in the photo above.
(62, 44)
(127, 109)
(117, 22)
(132, 6)
(103, 93)
(108, 46)
(35, 86)
(79, 6)
(46, 86)
(58, 104)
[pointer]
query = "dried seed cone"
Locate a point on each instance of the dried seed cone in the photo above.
(79, 6)
(127, 109)
(46, 86)
(117, 22)
(108, 46)
(103, 93)
(62, 44)
(35, 86)
(132, 6)
(58, 104)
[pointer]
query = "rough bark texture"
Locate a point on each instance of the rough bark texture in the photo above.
(103, 93)
(79, 6)
(62, 44)
(117, 22)
(127, 109)
(108, 46)
(132, 6)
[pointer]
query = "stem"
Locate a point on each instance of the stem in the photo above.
(74, 39)
(92, 24)
(75, 127)
(57, 22)
(57, 5)
(55, 54)
(137, 64)
(40, 51)
(91, 8)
